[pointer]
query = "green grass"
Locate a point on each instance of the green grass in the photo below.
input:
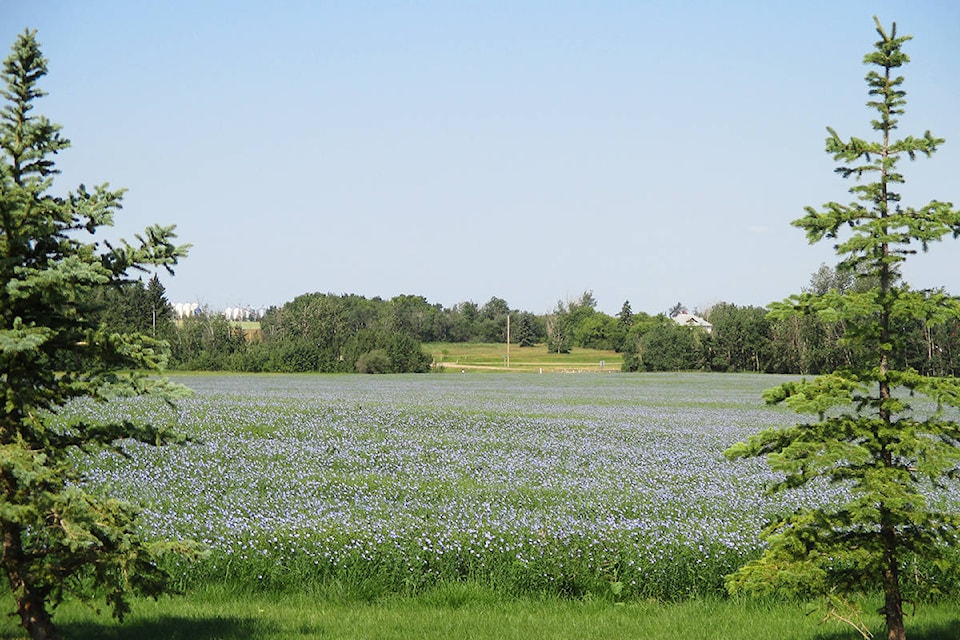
(463, 611)
(467, 356)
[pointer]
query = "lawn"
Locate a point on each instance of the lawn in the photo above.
(462, 612)
(459, 357)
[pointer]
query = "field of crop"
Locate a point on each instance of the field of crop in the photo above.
(609, 486)
(546, 484)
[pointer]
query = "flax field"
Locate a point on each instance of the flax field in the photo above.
(582, 485)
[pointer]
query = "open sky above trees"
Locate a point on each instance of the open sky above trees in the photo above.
(647, 151)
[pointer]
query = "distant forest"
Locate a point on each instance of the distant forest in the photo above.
(325, 332)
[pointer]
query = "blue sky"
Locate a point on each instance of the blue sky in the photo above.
(654, 152)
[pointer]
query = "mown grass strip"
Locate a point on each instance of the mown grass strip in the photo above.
(464, 611)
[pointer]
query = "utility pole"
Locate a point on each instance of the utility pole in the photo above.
(508, 341)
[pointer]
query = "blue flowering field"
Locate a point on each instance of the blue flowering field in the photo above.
(612, 485)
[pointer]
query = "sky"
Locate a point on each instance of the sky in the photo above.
(650, 152)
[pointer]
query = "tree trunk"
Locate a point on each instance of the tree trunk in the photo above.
(31, 604)
(892, 599)
(35, 618)
(893, 604)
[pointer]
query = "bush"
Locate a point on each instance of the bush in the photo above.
(376, 361)
(296, 357)
(670, 347)
(406, 355)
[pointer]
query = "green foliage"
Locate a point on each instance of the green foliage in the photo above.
(313, 333)
(132, 307)
(376, 361)
(881, 433)
(621, 328)
(342, 328)
(295, 356)
(206, 342)
(467, 322)
(579, 324)
(671, 347)
(59, 540)
(740, 340)
(527, 330)
(461, 322)
(405, 354)
(560, 330)
(595, 332)
(413, 315)
(329, 333)
(631, 346)
(492, 321)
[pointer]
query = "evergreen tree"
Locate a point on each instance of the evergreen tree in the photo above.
(122, 307)
(159, 308)
(57, 538)
(626, 315)
(619, 331)
(889, 451)
(527, 330)
(133, 307)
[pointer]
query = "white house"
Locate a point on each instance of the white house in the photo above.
(690, 320)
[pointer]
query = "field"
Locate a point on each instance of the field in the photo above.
(442, 494)
(533, 484)
(455, 357)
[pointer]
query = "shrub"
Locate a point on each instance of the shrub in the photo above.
(376, 361)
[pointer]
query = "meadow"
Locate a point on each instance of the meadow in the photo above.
(585, 488)
(456, 357)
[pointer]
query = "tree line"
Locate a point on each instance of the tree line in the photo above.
(333, 333)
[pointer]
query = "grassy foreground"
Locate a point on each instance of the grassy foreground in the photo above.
(468, 356)
(461, 611)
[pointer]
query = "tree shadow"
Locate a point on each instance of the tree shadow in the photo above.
(940, 631)
(167, 628)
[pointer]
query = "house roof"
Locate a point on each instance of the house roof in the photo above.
(690, 320)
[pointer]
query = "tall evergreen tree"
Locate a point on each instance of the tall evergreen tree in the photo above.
(626, 315)
(890, 452)
(527, 329)
(57, 538)
(160, 309)
(619, 330)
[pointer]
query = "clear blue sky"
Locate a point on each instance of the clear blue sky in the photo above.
(648, 151)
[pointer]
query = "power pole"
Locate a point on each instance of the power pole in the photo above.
(508, 341)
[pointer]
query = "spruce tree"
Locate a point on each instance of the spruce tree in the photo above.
(883, 435)
(57, 538)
